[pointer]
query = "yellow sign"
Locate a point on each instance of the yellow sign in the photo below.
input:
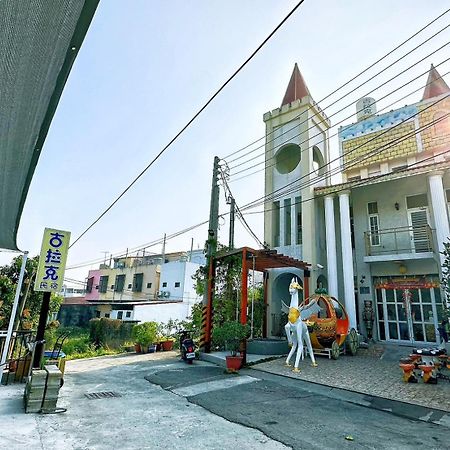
(52, 261)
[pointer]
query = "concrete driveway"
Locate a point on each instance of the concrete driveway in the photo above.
(144, 416)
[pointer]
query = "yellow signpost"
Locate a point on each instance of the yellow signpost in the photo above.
(52, 261)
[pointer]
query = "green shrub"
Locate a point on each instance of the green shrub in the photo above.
(230, 335)
(145, 333)
(112, 333)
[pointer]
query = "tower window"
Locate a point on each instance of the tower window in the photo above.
(318, 161)
(287, 158)
(298, 215)
(276, 224)
(287, 221)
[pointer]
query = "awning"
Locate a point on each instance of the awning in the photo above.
(39, 41)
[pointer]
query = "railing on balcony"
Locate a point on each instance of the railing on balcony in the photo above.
(400, 240)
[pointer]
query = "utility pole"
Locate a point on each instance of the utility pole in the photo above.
(210, 250)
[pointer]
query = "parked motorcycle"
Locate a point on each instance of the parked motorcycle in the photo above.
(187, 347)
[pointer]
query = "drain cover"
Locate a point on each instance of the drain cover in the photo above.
(95, 395)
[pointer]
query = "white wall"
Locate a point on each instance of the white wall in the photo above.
(161, 312)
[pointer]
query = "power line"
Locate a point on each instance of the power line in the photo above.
(337, 112)
(382, 109)
(355, 77)
(159, 241)
(283, 191)
(188, 123)
(262, 200)
(140, 248)
(367, 180)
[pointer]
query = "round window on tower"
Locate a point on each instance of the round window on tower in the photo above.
(287, 158)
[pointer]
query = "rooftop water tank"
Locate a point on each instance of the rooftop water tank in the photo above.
(365, 107)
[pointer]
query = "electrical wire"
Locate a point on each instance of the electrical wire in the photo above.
(363, 182)
(254, 204)
(184, 128)
(195, 226)
(337, 112)
(356, 76)
(283, 191)
(382, 109)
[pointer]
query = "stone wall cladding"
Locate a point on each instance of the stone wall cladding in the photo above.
(436, 137)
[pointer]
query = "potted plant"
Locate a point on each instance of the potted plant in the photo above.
(165, 340)
(144, 334)
(229, 336)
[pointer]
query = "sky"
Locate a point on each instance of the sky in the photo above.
(146, 67)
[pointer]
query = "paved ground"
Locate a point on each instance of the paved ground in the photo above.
(167, 404)
(304, 415)
(145, 417)
(374, 371)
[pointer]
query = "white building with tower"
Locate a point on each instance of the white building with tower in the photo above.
(377, 236)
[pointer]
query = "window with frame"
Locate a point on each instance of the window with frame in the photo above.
(103, 285)
(107, 315)
(120, 283)
(149, 285)
(164, 284)
(138, 280)
(120, 315)
(374, 223)
(128, 314)
(298, 216)
(287, 221)
(89, 284)
(177, 284)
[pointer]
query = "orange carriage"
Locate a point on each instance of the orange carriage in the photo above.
(329, 328)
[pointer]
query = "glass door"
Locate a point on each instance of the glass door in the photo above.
(407, 315)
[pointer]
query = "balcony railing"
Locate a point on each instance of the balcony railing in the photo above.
(400, 240)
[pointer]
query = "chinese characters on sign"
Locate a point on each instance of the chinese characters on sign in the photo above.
(52, 261)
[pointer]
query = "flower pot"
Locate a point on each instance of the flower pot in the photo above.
(167, 345)
(137, 348)
(234, 363)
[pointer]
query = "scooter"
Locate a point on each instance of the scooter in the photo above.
(187, 347)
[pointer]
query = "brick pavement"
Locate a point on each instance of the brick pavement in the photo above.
(372, 371)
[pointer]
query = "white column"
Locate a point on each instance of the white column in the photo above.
(330, 234)
(439, 206)
(347, 257)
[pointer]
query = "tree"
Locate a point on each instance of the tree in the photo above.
(227, 292)
(29, 299)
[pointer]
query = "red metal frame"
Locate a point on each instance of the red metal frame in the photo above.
(264, 259)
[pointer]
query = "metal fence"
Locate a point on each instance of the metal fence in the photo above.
(19, 355)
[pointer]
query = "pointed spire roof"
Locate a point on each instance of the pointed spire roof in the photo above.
(296, 89)
(435, 85)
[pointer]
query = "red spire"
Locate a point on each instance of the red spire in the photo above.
(296, 89)
(435, 85)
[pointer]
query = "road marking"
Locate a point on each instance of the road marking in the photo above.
(209, 386)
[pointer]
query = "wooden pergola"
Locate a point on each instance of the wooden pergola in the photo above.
(261, 261)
